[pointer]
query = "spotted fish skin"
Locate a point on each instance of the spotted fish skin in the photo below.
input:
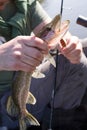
(16, 105)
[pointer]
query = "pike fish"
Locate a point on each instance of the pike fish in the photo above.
(16, 103)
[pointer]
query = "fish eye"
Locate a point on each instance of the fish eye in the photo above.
(48, 28)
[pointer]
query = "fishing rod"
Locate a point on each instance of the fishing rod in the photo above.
(55, 83)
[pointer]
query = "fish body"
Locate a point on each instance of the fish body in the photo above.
(16, 103)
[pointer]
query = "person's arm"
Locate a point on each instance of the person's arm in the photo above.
(37, 15)
(40, 18)
(30, 16)
(22, 53)
(73, 50)
(19, 19)
(21, 6)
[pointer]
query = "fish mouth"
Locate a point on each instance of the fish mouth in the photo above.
(56, 23)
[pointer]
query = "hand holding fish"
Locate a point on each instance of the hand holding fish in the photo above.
(27, 53)
(73, 49)
(22, 53)
(56, 35)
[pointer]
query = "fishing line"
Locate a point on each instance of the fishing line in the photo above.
(55, 83)
(53, 93)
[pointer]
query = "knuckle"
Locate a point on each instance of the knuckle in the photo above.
(17, 55)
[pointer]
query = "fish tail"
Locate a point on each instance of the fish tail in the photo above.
(22, 124)
(27, 120)
(11, 107)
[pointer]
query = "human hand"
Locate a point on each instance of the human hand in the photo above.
(72, 50)
(22, 53)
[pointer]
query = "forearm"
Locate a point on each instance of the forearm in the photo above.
(21, 6)
(38, 16)
(5, 29)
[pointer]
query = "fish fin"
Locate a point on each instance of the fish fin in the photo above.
(27, 120)
(38, 74)
(51, 59)
(31, 98)
(11, 108)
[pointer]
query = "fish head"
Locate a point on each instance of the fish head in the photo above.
(54, 31)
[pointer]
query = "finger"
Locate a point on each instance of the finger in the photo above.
(32, 52)
(24, 67)
(74, 56)
(63, 43)
(30, 60)
(71, 45)
(69, 49)
(37, 43)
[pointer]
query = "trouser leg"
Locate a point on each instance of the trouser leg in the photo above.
(72, 119)
(3, 128)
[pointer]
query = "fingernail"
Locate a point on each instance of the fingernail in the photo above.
(63, 43)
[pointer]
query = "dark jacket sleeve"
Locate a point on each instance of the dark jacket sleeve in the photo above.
(18, 21)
